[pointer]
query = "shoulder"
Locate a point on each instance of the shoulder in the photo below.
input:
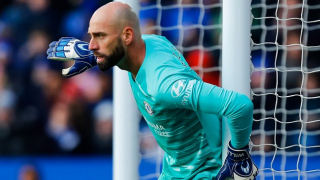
(161, 53)
(163, 64)
(154, 37)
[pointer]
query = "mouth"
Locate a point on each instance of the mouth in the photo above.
(100, 58)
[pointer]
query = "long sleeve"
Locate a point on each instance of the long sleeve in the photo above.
(199, 96)
(237, 107)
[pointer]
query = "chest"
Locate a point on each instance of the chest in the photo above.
(163, 121)
(147, 103)
(150, 106)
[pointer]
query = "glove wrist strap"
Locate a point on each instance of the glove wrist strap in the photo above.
(238, 154)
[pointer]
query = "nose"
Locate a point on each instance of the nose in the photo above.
(93, 45)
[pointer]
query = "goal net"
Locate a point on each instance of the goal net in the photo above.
(286, 88)
(285, 47)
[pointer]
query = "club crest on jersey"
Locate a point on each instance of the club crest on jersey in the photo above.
(148, 108)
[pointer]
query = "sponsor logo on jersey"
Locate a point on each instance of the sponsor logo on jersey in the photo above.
(178, 88)
(148, 108)
(187, 92)
(158, 129)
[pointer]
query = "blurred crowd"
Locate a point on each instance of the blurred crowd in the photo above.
(41, 112)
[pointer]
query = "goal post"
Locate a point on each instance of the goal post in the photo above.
(126, 117)
(236, 62)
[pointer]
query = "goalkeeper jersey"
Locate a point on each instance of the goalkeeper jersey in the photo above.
(183, 112)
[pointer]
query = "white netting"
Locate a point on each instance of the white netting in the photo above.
(286, 88)
(285, 83)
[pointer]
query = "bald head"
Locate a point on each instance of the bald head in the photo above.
(116, 15)
(116, 37)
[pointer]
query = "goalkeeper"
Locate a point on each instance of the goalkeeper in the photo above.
(182, 111)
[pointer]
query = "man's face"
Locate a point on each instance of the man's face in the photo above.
(107, 61)
(106, 44)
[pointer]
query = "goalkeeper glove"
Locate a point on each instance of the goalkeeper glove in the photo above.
(68, 48)
(238, 165)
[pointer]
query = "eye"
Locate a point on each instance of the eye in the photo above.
(100, 35)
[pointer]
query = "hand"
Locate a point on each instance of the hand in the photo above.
(68, 48)
(238, 165)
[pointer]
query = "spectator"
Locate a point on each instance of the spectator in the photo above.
(29, 172)
(103, 114)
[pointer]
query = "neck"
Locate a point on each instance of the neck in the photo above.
(134, 57)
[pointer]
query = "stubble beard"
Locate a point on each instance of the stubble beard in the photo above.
(113, 59)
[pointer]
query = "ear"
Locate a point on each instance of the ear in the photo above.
(128, 35)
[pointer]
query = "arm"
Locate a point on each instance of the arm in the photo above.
(207, 98)
(237, 107)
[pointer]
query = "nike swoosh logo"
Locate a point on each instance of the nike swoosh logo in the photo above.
(81, 46)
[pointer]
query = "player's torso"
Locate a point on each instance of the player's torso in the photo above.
(178, 131)
(172, 128)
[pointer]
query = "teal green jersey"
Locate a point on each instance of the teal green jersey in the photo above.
(183, 112)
